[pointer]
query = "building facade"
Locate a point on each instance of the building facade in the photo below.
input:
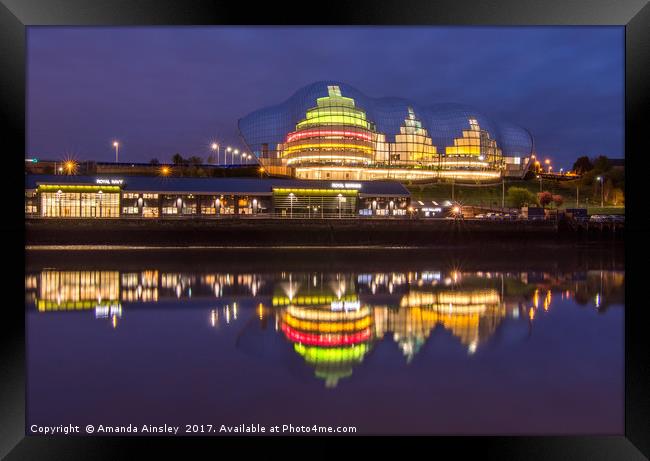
(331, 131)
(89, 197)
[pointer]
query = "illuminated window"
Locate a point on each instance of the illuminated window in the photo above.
(80, 205)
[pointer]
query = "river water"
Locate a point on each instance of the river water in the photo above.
(478, 340)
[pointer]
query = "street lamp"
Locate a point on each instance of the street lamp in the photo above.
(116, 145)
(228, 149)
(215, 147)
(602, 191)
(291, 196)
(70, 166)
(235, 152)
(340, 196)
(540, 182)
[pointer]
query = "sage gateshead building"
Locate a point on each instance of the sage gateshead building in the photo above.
(332, 131)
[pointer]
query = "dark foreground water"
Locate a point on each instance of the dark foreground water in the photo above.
(437, 341)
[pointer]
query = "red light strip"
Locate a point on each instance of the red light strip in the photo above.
(316, 133)
(325, 340)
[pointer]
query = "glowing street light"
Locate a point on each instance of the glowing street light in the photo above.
(165, 170)
(228, 149)
(235, 152)
(602, 191)
(70, 166)
(215, 147)
(116, 145)
(291, 197)
(540, 182)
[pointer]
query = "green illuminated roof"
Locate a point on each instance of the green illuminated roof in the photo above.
(335, 109)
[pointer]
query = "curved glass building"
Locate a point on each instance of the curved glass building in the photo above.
(330, 130)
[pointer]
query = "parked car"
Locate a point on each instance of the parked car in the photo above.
(479, 216)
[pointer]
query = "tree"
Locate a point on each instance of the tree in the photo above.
(178, 159)
(602, 163)
(558, 200)
(194, 160)
(154, 161)
(582, 165)
(520, 196)
(544, 198)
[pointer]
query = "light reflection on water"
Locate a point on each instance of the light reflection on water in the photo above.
(334, 320)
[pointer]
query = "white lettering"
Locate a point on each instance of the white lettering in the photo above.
(346, 185)
(116, 182)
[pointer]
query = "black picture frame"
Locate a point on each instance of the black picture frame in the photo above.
(634, 15)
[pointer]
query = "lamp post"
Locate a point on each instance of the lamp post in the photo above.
(235, 152)
(116, 145)
(215, 147)
(225, 157)
(602, 191)
(540, 182)
(291, 196)
(340, 196)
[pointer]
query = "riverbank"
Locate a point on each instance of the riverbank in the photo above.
(314, 232)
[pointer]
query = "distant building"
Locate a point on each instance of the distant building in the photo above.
(330, 130)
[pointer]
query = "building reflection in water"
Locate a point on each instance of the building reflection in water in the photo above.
(334, 320)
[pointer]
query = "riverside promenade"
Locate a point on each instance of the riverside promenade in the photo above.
(308, 232)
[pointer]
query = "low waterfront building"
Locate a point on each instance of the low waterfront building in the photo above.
(111, 196)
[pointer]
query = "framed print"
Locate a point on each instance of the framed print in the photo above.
(377, 221)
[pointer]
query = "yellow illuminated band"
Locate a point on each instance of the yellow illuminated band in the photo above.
(329, 145)
(327, 327)
(457, 301)
(327, 315)
(463, 150)
(315, 354)
(45, 305)
(325, 117)
(76, 188)
(325, 156)
(406, 172)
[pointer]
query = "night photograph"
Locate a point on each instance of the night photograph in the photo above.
(324, 230)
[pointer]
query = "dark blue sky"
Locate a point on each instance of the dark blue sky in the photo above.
(161, 90)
